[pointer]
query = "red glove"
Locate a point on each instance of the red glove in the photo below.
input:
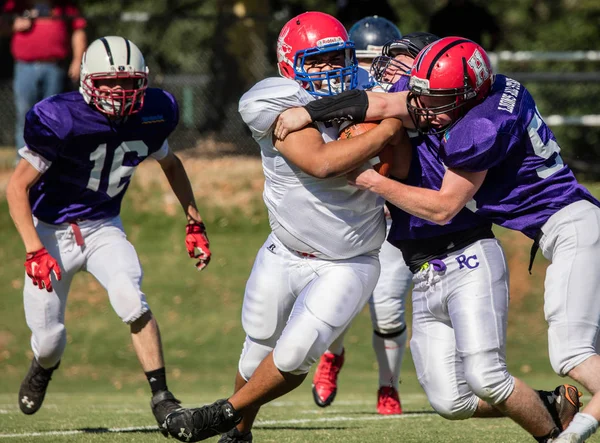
(196, 239)
(39, 265)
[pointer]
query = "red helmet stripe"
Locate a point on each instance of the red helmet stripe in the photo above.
(442, 52)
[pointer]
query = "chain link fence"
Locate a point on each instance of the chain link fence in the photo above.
(210, 62)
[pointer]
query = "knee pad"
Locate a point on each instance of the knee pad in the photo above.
(49, 344)
(487, 376)
(387, 316)
(126, 298)
(567, 354)
(296, 353)
(303, 343)
(390, 334)
(253, 353)
(455, 408)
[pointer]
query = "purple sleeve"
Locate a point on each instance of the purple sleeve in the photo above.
(475, 146)
(400, 85)
(44, 130)
(173, 113)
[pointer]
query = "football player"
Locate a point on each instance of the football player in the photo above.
(369, 35)
(320, 264)
(471, 121)
(387, 305)
(65, 197)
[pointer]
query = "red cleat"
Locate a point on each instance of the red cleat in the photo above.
(388, 402)
(324, 385)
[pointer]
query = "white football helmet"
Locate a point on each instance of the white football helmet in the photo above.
(110, 58)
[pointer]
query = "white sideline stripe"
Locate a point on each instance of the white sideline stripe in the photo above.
(258, 424)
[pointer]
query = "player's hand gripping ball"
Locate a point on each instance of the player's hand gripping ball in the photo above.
(196, 242)
(382, 162)
(39, 265)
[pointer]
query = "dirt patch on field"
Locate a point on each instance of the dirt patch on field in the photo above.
(232, 182)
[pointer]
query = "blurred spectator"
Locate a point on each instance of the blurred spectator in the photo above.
(351, 11)
(463, 18)
(44, 34)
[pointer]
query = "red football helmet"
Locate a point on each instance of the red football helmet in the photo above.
(310, 34)
(451, 67)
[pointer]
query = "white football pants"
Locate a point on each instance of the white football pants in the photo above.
(460, 306)
(107, 255)
(571, 241)
(296, 306)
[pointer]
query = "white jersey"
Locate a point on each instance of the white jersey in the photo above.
(327, 216)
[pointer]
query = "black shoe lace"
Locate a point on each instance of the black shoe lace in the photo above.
(207, 417)
(39, 381)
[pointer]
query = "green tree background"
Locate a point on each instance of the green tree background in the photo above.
(214, 50)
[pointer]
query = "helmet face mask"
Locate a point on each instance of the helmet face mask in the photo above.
(448, 78)
(311, 49)
(387, 70)
(321, 71)
(397, 57)
(114, 76)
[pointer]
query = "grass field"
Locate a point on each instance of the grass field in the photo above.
(100, 395)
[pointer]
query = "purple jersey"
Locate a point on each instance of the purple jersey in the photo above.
(91, 158)
(400, 85)
(527, 181)
(426, 171)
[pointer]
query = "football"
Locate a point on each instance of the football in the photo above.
(383, 160)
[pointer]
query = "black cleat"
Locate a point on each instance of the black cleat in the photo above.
(197, 424)
(33, 388)
(162, 404)
(235, 436)
(562, 403)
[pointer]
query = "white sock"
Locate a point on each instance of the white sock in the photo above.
(337, 347)
(584, 425)
(389, 352)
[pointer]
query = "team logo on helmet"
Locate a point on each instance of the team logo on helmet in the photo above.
(283, 49)
(479, 67)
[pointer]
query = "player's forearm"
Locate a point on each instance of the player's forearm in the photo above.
(182, 188)
(423, 203)
(20, 212)
(342, 156)
(391, 105)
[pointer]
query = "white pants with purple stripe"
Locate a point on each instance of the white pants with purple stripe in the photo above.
(571, 241)
(460, 306)
(107, 255)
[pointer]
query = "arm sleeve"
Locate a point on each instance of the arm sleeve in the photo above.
(173, 113)
(35, 159)
(261, 105)
(42, 129)
(162, 152)
(477, 146)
